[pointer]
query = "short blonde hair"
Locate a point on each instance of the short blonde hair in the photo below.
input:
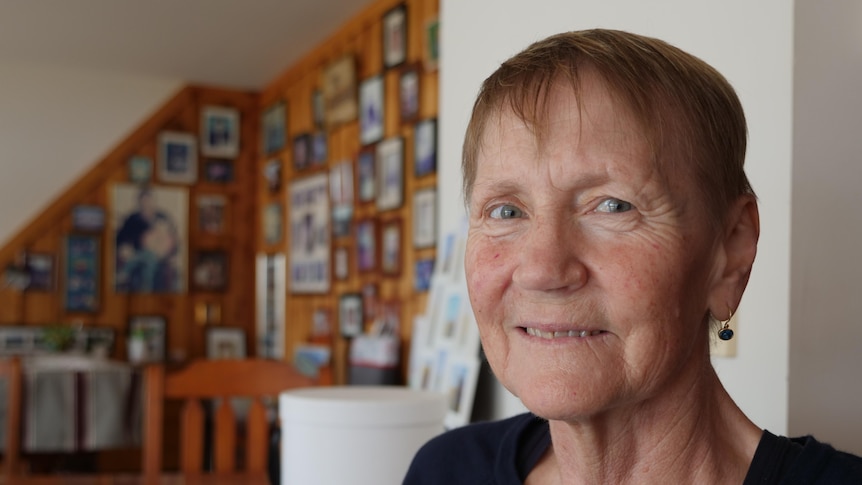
(681, 102)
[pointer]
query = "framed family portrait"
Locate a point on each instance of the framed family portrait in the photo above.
(225, 343)
(395, 36)
(371, 110)
(178, 157)
(350, 314)
(390, 248)
(150, 234)
(81, 273)
(339, 91)
(220, 132)
(152, 329)
(390, 174)
(425, 148)
(274, 127)
(210, 270)
(425, 217)
(408, 90)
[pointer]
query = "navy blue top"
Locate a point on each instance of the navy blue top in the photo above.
(504, 452)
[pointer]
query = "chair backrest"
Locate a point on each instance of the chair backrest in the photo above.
(10, 371)
(220, 380)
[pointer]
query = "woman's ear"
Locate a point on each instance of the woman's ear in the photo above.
(737, 250)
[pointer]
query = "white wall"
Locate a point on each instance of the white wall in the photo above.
(826, 289)
(751, 44)
(55, 123)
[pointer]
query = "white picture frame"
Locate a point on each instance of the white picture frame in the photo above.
(225, 343)
(390, 174)
(425, 218)
(310, 236)
(177, 157)
(371, 106)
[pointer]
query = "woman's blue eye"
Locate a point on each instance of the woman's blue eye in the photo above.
(614, 205)
(505, 212)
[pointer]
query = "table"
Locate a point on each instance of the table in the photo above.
(126, 479)
(74, 403)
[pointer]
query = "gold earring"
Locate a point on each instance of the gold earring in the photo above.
(725, 333)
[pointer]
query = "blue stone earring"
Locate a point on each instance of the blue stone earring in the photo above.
(726, 333)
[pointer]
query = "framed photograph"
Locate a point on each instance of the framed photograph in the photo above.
(371, 110)
(339, 91)
(178, 157)
(272, 174)
(366, 245)
(150, 238)
(211, 213)
(274, 127)
(390, 174)
(81, 272)
(425, 147)
(140, 169)
(395, 36)
(218, 171)
(152, 330)
(302, 151)
(341, 193)
(431, 44)
(369, 301)
(272, 225)
(390, 248)
(88, 218)
(318, 109)
(341, 264)
(310, 250)
(408, 90)
(350, 314)
(425, 218)
(458, 383)
(210, 270)
(225, 343)
(319, 148)
(42, 270)
(270, 296)
(366, 182)
(220, 132)
(423, 272)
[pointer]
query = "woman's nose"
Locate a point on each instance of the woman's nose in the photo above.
(550, 257)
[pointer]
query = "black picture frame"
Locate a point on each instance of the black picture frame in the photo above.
(425, 147)
(395, 36)
(218, 171)
(210, 270)
(81, 273)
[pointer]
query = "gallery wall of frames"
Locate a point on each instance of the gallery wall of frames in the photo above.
(250, 223)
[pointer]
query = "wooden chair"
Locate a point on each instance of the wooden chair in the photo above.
(214, 379)
(10, 370)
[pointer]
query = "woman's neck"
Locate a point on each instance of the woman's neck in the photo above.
(692, 434)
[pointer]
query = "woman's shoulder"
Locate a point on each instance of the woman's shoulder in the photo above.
(469, 454)
(805, 459)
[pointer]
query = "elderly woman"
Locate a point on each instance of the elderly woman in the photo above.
(612, 230)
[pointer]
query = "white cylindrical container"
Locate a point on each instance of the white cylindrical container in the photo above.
(355, 434)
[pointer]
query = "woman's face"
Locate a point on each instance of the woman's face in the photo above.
(588, 267)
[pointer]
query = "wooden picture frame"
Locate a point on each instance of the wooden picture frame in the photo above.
(272, 224)
(366, 183)
(409, 93)
(210, 271)
(220, 132)
(153, 330)
(339, 91)
(371, 110)
(225, 343)
(211, 213)
(81, 273)
(395, 36)
(390, 174)
(88, 218)
(42, 271)
(178, 157)
(302, 151)
(366, 245)
(274, 127)
(425, 148)
(341, 193)
(425, 218)
(391, 254)
(310, 235)
(318, 109)
(431, 44)
(350, 315)
(272, 173)
(341, 263)
(218, 171)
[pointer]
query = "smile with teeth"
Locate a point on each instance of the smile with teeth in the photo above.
(570, 333)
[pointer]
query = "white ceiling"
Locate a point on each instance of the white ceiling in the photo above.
(231, 43)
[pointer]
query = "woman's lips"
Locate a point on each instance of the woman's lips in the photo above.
(535, 332)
